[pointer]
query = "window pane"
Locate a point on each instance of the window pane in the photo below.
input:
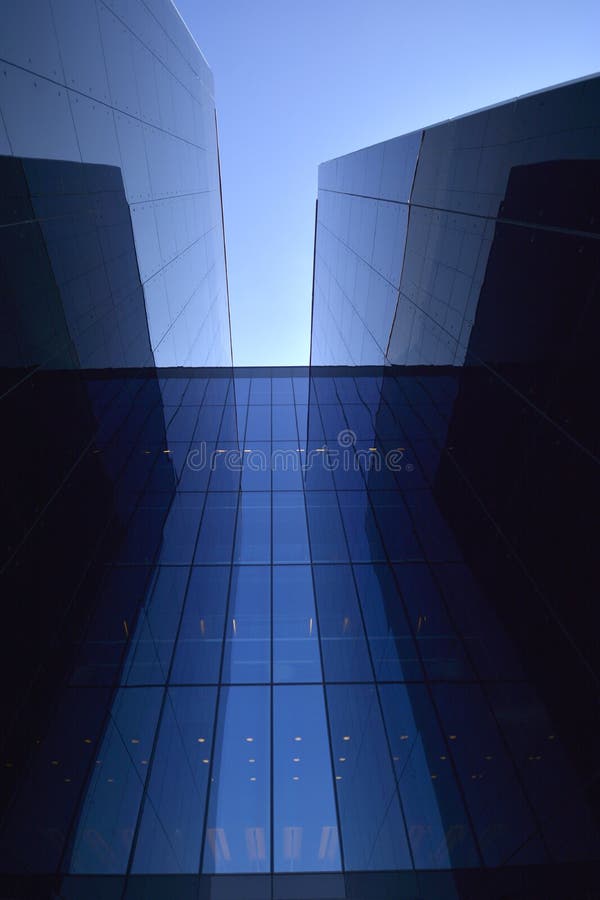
(248, 631)
(295, 634)
(306, 835)
(435, 815)
(345, 654)
(361, 529)
(500, 813)
(170, 831)
(290, 540)
(238, 826)
(253, 531)
(198, 652)
(215, 541)
(393, 649)
(373, 833)
(441, 649)
(328, 542)
(110, 807)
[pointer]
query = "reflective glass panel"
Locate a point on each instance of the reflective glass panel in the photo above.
(305, 823)
(238, 825)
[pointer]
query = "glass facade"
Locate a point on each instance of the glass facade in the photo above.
(277, 666)
(447, 246)
(124, 85)
(272, 634)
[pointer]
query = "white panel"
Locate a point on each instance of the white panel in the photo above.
(133, 156)
(37, 116)
(118, 54)
(80, 46)
(96, 133)
(28, 38)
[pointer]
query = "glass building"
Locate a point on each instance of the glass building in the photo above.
(307, 633)
(120, 84)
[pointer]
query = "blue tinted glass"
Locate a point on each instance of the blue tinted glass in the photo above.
(226, 467)
(328, 543)
(395, 525)
(282, 390)
(333, 421)
(441, 649)
(107, 820)
(290, 540)
(215, 540)
(248, 632)
(208, 424)
(229, 427)
(196, 472)
(393, 649)
(295, 635)
(200, 641)
(260, 390)
(498, 808)
(361, 529)
(238, 824)
(258, 424)
(180, 529)
(305, 822)
(253, 531)
(284, 423)
(241, 388)
(286, 465)
(343, 644)
(151, 646)
(170, 830)
(373, 832)
(437, 823)
(435, 534)
(256, 466)
(182, 424)
(300, 390)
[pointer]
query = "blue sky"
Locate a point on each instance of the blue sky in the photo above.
(301, 82)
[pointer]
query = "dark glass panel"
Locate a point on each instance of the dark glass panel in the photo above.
(198, 652)
(396, 527)
(360, 526)
(102, 840)
(180, 529)
(373, 832)
(343, 644)
(392, 646)
(441, 648)
(215, 540)
(151, 647)
(500, 812)
(170, 829)
(438, 827)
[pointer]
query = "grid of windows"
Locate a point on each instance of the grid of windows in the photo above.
(299, 670)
